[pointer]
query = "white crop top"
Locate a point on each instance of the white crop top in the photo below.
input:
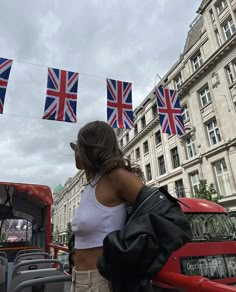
(93, 221)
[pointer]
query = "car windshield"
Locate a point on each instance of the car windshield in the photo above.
(212, 227)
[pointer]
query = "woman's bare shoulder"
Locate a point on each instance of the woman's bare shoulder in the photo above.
(126, 184)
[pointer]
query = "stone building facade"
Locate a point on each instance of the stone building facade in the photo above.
(205, 77)
(66, 200)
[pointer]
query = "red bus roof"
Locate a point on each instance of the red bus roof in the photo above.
(41, 192)
(200, 206)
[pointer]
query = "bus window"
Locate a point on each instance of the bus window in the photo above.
(212, 227)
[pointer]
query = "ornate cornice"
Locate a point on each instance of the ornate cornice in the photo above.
(203, 6)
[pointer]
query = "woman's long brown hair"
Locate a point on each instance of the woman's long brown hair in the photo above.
(99, 152)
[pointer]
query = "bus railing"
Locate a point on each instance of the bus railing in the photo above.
(191, 283)
(56, 248)
(177, 281)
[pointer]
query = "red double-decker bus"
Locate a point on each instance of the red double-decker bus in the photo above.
(212, 253)
(208, 263)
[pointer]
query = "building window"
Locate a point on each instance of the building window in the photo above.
(119, 132)
(185, 113)
(127, 138)
(154, 110)
(212, 15)
(194, 180)
(158, 137)
(145, 147)
(220, 6)
(229, 73)
(190, 148)
(143, 122)
(213, 132)
(137, 153)
(178, 81)
(175, 157)
(148, 172)
(197, 61)
(179, 188)
(121, 143)
(222, 178)
(135, 129)
(161, 163)
(205, 96)
(229, 29)
(219, 40)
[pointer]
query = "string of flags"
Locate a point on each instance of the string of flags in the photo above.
(61, 100)
(61, 96)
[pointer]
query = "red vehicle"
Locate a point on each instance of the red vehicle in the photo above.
(26, 202)
(212, 254)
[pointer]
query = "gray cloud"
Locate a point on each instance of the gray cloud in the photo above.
(104, 39)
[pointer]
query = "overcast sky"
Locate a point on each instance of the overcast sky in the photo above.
(125, 40)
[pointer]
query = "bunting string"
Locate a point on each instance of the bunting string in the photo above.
(80, 73)
(61, 99)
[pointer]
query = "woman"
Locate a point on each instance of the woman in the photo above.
(111, 249)
(111, 183)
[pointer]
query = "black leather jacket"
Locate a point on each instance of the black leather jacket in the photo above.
(155, 228)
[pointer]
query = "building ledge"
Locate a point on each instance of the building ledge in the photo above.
(219, 147)
(169, 175)
(228, 201)
(192, 161)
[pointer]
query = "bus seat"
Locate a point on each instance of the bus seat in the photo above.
(3, 274)
(35, 274)
(31, 265)
(47, 284)
(24, 251)
(31, 256)
(3, 254)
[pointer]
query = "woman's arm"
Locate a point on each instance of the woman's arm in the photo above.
(126, 184)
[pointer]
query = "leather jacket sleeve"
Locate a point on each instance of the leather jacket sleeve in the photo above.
(144, 245)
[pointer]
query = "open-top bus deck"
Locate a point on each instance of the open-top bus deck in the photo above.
(26, 264)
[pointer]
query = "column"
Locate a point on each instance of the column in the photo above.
(153, 160)
(231, 66)
(219, 28)
(231, 11)
(231, 175)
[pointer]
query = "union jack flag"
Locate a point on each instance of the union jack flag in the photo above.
(5, 69)
(119, 104)
(169, 110)
(61, 97)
